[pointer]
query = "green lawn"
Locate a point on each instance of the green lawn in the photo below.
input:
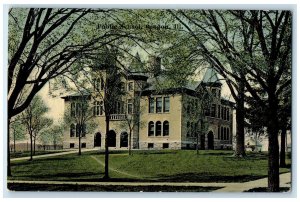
(173, 166)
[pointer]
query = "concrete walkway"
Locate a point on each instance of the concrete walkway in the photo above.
(53, 154)
(285, 181)
(224, 187)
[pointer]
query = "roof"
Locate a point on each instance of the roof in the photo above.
(211, 76)
(77, 94)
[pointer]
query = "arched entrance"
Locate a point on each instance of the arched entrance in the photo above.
(97, 140)
(202, 142)
(210, 140)
(124, 139)
(111, 138)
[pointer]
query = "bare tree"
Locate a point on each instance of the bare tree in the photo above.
(33, 118)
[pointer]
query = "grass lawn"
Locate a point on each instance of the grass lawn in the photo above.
(166, 165)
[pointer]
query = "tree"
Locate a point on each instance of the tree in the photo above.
(78, 117)
(17, 131)
(44, 44)
(33, 118)
(256, 46)
(52, 135)
(217, 45)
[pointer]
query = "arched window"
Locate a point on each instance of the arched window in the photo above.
(158, 128)
(166, 128)
(151, 128)
(72, 130)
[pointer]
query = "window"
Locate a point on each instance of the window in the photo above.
(222, 133)
(78, 109)
(227, 116)
(228, 134)
(219, 111)
(219, 132)
(83, 145)
(72, 109)
(188, 129)
(166, 104)
(195, 129)
(102, 84)
(101, 108)
(165, 128)
(222, 112)
(96, 108)
(77, 130)
(130, 86)
(122, 85)
(165, 145)
(214, 92)
(83, 130)
(129, 106)
(151, 105)
(97, 84)
(150, 145)
(158, 128)
(213, 110)
(151, 128)
(158, 105)
(72, 145)
(72, 130)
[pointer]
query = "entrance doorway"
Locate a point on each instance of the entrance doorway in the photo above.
(97, 140)
(124, 139)
(210, 140)
(202, 142)
(111, 138)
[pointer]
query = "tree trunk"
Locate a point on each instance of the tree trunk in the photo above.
(240, 117)
(8, 150)
(14, 141)
(129, 148)
(34, 145)
(79, 144)
(282, 148)
(106, 174)
(197, 144)
(31, 149)
(273, 164)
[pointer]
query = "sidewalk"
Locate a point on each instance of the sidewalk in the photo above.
(224, 187)
(54, 154)
(285, 181)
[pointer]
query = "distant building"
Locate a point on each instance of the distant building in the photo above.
(165, 117)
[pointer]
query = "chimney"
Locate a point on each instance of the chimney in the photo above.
(155, 65)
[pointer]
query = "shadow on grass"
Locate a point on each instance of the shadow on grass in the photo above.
(265, 189)
(107, 188)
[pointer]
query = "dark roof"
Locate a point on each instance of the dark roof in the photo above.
(77, 94)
